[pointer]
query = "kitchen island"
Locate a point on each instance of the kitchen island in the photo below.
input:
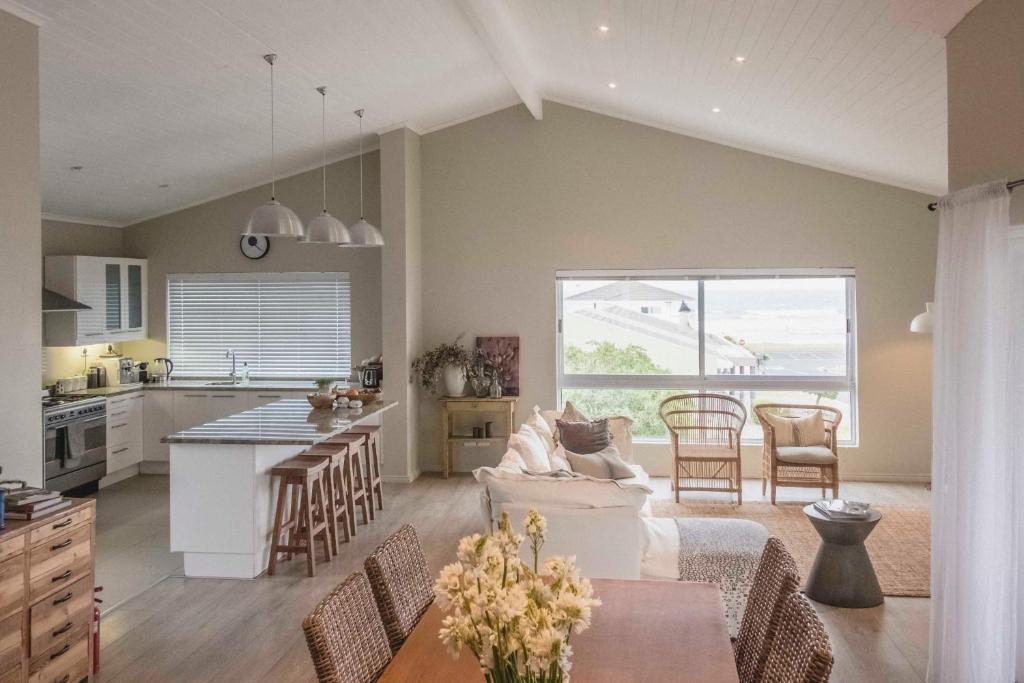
(221, 490)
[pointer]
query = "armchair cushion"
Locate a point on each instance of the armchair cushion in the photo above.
(807, 430)
(806, 455)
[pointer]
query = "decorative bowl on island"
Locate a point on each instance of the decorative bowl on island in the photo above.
(320, 401)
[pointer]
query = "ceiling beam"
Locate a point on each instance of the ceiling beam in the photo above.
(497, 29)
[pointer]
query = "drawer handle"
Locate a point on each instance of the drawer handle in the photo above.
(61, 577)
(58, 653)
(63, 629)
(120, 450)
(61, 525)
(120, 426)
(64, 544)
(63, 599)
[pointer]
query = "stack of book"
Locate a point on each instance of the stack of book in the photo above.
(30, 503)
(843, 509)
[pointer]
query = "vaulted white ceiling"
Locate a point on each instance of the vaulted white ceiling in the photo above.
(144, 93)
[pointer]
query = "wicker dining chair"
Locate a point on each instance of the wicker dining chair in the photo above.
(808, 466)
(346, 636)
(776, 579)
(705, 434)
(800, 651)
(401, 583)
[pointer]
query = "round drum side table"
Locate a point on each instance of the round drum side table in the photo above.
(842, 574)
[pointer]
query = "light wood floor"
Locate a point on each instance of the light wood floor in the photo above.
(224, 630)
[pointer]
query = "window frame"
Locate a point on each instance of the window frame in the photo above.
(715, 382)
(292, 277)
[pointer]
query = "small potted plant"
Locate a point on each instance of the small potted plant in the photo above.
(323, 385)
(447, 361)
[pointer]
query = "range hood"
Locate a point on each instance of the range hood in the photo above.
(54, 302)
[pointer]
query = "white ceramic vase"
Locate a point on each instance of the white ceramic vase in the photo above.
(455, 380)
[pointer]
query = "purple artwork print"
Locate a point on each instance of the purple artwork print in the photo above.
(503, 353)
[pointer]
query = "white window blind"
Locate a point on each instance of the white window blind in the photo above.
(281, 324)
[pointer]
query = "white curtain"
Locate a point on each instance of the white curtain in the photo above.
(977, 609)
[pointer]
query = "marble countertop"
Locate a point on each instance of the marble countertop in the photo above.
(286, 422)
(204, 384)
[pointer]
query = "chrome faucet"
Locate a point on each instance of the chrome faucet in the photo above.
(231, 354)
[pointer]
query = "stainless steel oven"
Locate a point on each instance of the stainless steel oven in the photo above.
(75, 443)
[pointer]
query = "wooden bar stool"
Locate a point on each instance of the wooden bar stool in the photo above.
(373, 477)
(355, 480)
(303, 479)
(334, 486)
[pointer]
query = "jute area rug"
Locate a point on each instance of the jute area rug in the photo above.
(900, 546)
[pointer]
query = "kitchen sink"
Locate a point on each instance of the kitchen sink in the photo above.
(225, 383)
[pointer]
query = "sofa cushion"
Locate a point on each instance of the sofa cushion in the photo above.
(604, 464)
(543, 430)
(505, 486)
(531, 448)
(806, 455)
(619, 426)
(584, 437)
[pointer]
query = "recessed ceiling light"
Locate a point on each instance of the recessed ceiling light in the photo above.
(716, 110)
(739, 59)
(612, 86)
(163, 185)
(603, 28)
(76, 168)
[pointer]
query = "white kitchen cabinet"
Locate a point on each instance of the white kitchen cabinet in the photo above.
(225, 403)
(114, 288)
(158, 423)
(191, 408)
(263, 397)
(125, 417)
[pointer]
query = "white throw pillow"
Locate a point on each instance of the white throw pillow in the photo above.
(531, 448)
(512, 462)
(603, 464)
(543, 430)
(622, 436)
(559, 461)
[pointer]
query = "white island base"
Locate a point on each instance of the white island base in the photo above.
(222, 493)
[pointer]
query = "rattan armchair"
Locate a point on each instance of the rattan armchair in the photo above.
(776, 579)
(800, 651)
(346, 636)
(401, 583)
(705, 434)
(799, 466)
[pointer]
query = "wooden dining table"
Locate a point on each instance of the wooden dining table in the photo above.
(643, 631)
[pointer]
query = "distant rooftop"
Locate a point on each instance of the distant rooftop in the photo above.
(626, 290)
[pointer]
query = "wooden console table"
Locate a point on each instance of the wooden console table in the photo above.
(503, 409)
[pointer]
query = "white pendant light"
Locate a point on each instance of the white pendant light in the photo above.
(325, 228)
(272, 219)
(922, 322)
(364, 233)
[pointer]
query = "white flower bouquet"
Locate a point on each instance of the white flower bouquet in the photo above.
(514, 620)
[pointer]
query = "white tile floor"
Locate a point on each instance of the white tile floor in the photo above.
(133, 538)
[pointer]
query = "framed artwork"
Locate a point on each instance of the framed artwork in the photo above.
(503, 352)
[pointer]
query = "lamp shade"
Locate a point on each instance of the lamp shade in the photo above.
(326, 229)
(365, 235)
(922, 322)
(273, 220)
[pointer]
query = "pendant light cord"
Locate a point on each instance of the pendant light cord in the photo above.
(360, 115)
(323, 139)
(273, 175)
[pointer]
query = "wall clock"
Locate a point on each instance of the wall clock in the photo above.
(254, 246)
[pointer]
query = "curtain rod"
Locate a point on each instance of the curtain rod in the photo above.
(1009, 186)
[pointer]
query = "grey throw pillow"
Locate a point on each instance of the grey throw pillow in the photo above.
(604, 464)
(584, 437)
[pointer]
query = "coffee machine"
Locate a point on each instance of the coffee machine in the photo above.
(126, 371)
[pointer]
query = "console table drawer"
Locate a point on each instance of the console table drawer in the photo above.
(59, 525)
(10, 641)
(64, 612)
(60, 560)
(67, 664)
(12, 546)
(12, 583)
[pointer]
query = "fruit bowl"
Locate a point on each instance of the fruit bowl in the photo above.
(367, 396)
(320, 401)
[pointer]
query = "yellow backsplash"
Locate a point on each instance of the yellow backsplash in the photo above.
(67, 361)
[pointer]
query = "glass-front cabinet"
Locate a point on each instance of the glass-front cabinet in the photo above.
(113, 288)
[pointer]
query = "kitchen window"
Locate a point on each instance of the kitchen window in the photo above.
(283, 325)
(627, 340)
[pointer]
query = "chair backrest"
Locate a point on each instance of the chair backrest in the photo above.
(831, 416)
(800, 651)
(703, 419)
(776, 579)
(345, 635)
(401, 583)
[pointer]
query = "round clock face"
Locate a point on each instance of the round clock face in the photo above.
(255, 246)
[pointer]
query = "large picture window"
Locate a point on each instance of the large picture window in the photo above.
(628, 340)
(283, 325)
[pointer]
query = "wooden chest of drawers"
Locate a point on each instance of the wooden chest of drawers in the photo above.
(46, 597)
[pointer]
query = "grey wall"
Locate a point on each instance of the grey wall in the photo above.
(205, 239)
(20, 258)
(508, 200)
(78, 239)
